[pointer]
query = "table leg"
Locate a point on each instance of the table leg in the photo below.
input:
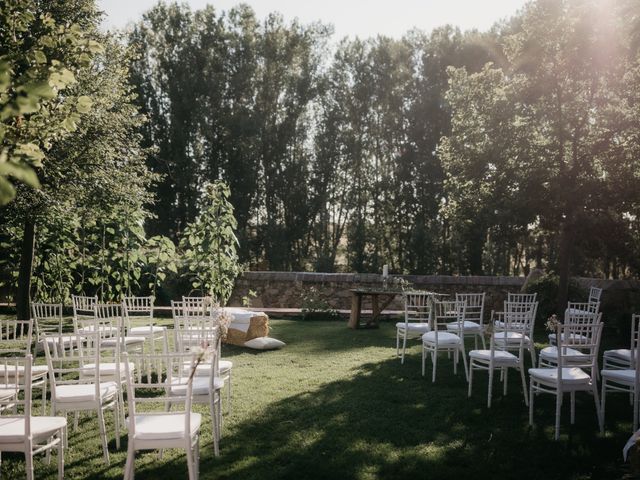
(375, 309)
(356, 306)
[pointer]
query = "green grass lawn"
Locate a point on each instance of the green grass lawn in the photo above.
(336, 403)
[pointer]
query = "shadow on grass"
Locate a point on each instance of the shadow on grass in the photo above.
(389, 422)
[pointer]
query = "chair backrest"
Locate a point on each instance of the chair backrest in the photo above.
(594, 294)
(138, 306)
(110, 320)
(584, 337)
(10, 369)
(417, 307)
(79, 365)
(521, 316)
(446, 312)
(579, 307)
(474, 309)
(48, 317)
(573, 316)
(522, 297)
(15, 336)
(84, 306)
(149, 389)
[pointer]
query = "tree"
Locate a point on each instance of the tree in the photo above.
(209, 245)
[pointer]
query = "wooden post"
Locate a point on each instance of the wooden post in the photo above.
(356, 305)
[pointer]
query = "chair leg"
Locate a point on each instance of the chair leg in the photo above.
(455, 361)
(116, 419)
(28, 456)
(531, 397)
(404, 346)
(214, 420)
(532, 350)
(635, 411)
(464, 362)
(598, 409)
(424, 360)
(61, 454)
(103, 435)
(44, 395)
(131, 458)
(558, 411)
(602, 404)
(504, 383)
(573, 408)
(470, 379)
(484, 344)
(190, 461)
(434, 360)
(76, 417)
(490, 389)
(229, 394)
(524, 386)
(397, 344)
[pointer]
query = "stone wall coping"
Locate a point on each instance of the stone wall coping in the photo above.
(480, 280)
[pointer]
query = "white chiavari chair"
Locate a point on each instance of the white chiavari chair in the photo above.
(442, 339)
(417, 318)
(138, 313)
(521, 319)
(621, 357)
(569, 375)
(154, 428)
(498, 357)
(473, 324)
(23, 432)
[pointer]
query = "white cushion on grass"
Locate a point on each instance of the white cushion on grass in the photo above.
(12, 428)
(159, 426)
(264, 343)
(84, 392)
(414, 326)
(569, 375)
(444, 338)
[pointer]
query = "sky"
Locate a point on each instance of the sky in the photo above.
(363, 18)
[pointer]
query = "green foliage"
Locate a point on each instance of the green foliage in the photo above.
(41, 58)
(209, 245)
(315, 307)
(547, 289)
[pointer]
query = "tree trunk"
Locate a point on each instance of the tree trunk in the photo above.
(23, 297)
(564, 261)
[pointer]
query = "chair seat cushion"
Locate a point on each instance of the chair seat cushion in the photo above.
(204, 369)
(466, 326)
(626, 376)
(200, 386)
(112, 342)
(84, 392)
(444, 338)
(146, 330)
(107, 369)
(569, 375)
(569, 354)
(37, 372)
(623, 354)
(62, 340)
(499, 356)
(514, 325)
(574, 338)
(12, 428)
(7, 393)
(579, 311)
(164, 426)
(102, 329)
(509, 337)
(413, 327)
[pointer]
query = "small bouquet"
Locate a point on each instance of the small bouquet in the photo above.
(552, 323)
(201, 353)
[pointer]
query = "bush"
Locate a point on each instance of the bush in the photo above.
(314, 307)
(547, 289)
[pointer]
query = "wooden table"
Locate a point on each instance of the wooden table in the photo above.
(380, 299)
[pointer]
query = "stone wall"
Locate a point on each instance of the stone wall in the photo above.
(286, 289)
